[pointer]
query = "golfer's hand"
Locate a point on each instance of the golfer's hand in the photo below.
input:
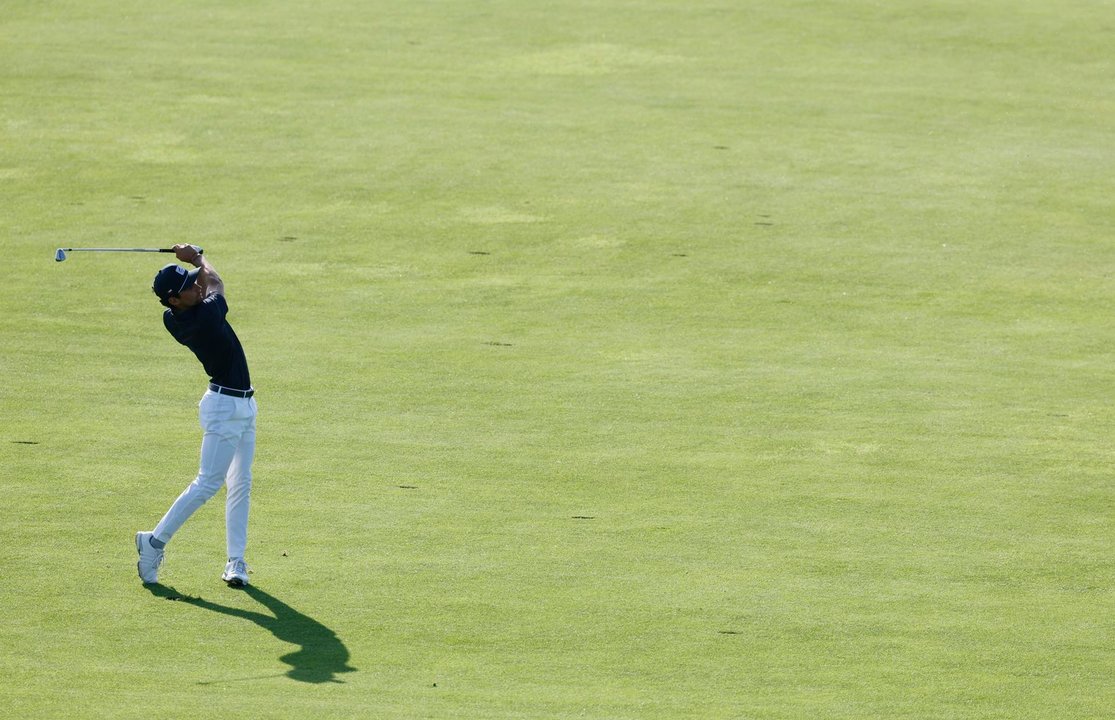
(188, 254)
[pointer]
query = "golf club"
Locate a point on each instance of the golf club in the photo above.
(60, 254)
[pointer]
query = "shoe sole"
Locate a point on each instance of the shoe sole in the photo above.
(234, 582)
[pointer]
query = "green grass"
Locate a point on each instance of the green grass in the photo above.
(634, 359)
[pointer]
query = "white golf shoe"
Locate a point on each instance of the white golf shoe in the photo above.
(150, 558)
(236, 573)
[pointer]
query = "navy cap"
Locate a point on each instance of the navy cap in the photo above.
(173, 279)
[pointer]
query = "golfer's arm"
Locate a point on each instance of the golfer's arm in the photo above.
(209, 279)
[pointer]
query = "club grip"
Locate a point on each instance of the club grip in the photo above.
(200, 251)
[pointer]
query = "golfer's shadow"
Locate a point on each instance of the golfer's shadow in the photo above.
(321, 655)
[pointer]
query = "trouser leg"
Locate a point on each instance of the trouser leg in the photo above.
(238, 498)
(217, 452)
(218, 447)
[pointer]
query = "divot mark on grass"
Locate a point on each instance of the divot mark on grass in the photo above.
(408, 487)
(478, 252)
(584, 517)
(288, 238)
(498, 344)
(25, 442)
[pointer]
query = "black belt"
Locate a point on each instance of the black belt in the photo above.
(229, 391)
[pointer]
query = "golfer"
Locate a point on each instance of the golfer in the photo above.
(195, 316)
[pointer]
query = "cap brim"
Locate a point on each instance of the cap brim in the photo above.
(191, 278)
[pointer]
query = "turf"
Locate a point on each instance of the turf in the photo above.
(643, 359)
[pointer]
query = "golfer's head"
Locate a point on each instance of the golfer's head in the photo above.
(175, 282)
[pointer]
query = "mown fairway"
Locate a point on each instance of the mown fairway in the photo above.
(640, 359)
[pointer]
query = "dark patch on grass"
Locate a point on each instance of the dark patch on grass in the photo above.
(478, 252)
(584, 517)
(25, 442)
(498, 344)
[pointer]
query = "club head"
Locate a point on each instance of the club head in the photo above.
(59, 255)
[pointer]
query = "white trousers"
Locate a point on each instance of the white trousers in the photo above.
(227, 449)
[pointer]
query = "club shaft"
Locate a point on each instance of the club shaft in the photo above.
(118, 249)
(60, 253)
